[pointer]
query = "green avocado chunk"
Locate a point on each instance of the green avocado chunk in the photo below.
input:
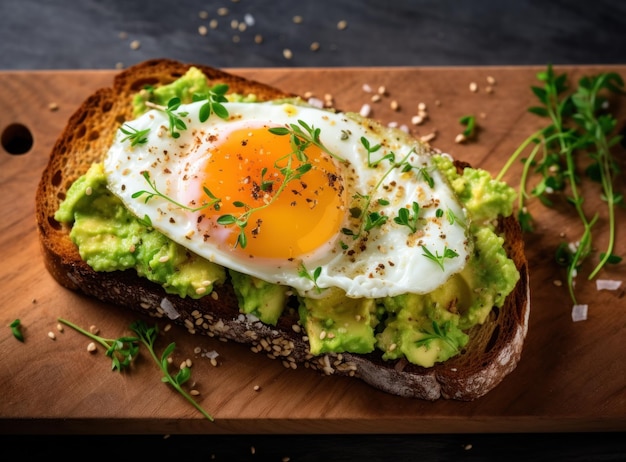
(110, 238)
(337, 323)
(264, 300)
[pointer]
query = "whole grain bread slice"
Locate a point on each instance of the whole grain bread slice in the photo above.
(494, 348)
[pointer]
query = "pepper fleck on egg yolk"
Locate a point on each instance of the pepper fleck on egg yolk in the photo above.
(288, 219)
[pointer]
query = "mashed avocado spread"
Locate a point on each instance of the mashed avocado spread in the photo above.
(423, 328)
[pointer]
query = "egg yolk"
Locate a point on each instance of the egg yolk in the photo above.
(254, 174)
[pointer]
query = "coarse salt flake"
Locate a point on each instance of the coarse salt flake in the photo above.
(608, 284)
(169, 309)
(579, 312)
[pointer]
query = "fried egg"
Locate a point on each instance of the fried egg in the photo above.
(294, 195)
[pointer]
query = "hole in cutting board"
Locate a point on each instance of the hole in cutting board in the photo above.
(17, 139)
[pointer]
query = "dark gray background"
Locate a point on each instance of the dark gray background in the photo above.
(97, 34)
(73, 34)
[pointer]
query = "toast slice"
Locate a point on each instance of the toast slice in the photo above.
(494, 348)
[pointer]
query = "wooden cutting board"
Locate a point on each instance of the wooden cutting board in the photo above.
(571, 376)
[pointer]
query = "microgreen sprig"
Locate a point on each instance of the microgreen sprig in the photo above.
(313, 277)
(154, 192)
(124, 350)
(469, 123)
(214, 99)
(405, 218)
(135, 136)
(301, 136)
(438, 332)
(439, 259)
(147, 336)
(578, 124)
(176, 122)
(375, 219)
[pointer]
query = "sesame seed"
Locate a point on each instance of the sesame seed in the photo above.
(394, 105)
(119, 65)
(473, 86)
(375, 98)
(252, 450)
(365, 110)
(256, 388)
(60, 327)
(123, 35)
(202, 30)
(223, 11)
(287, 54)
(417, 120)
(213, 23)
(341, 25)
(53, 107)
(213, 362)
(460, 138)
(94, 330)
(88, 191)
(167, 328)
(258, 39)
(135, 44)
(382, 90)
(426, 138)
(164, 259)
(491, 80)
(200, 290)
(297, 19)
(51, 335)
(236, 39)
(242, 27)
(203, 14)
(91, 347)
(314, 46)
(322, 335)
(234, 24)
(194, 392)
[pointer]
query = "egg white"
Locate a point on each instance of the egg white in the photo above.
(386, 261)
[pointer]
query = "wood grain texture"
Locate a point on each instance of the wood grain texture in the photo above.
(570, 378)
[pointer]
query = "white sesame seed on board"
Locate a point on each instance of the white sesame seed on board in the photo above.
(287, 53)
(91, 348)
(203, 14)
(202, 30)
(135, 45)
(223, 11)
(297, 19)
(343, 24)
(473, 86)
(258, 39)
(51, 335)
(314, 46)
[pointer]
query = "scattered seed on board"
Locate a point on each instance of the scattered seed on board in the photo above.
(94, 330)
(202, 30)
(53, 107)
(287, 53)
(297, 19)
(314, 46)
(341, 25)
(194, 392)
(135, 45)
(60, 327)
(91, 347)
(258, 39)
(203, 15)
(473, 86)
(256, 388)
(51, 335)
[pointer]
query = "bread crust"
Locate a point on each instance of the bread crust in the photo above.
(493, 351)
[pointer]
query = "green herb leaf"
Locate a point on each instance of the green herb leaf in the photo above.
(16, 330)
